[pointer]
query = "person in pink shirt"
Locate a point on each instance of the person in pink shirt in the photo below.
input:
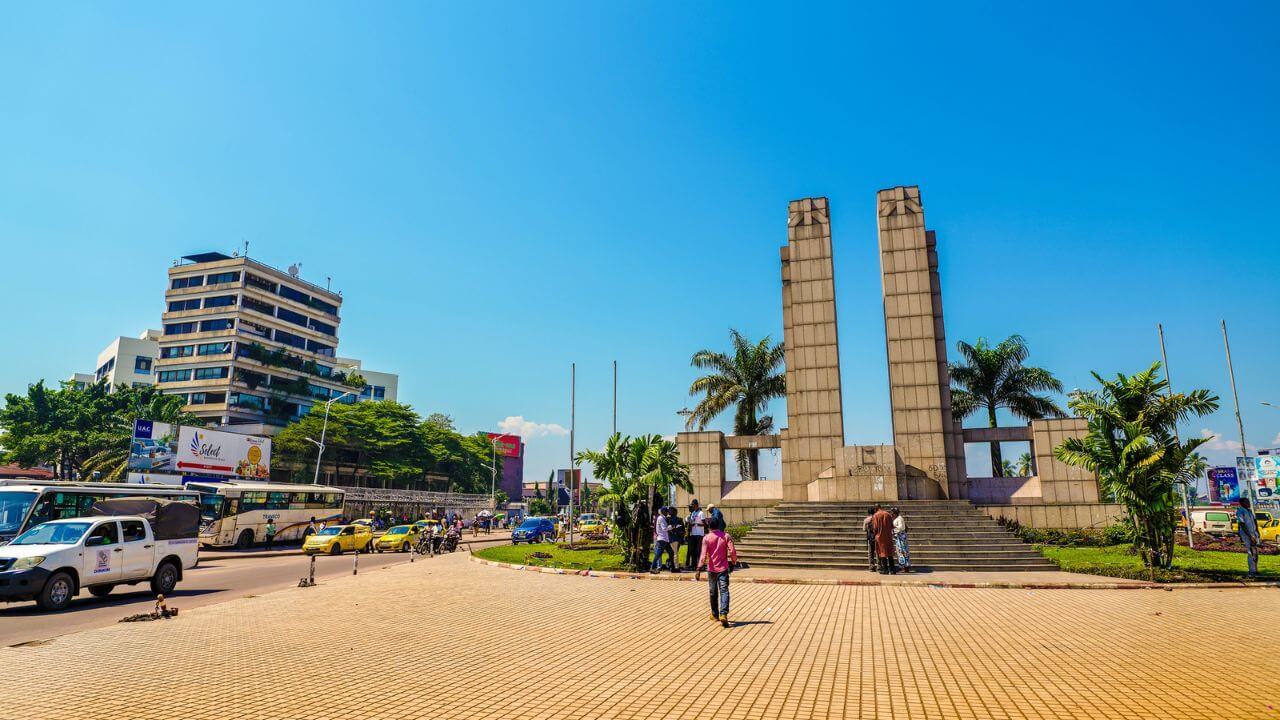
(718, 557)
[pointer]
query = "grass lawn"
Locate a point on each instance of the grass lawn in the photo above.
(604, 559)
(1188, 565)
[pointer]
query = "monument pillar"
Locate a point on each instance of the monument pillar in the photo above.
(815, 424)
(926, 437)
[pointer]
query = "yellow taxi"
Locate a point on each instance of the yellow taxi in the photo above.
(591, 524)
(397, 539)
(338, 539)
(1269, 530)
(1263, 518)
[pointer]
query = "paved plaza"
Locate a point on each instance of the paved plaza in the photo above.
(450, 638)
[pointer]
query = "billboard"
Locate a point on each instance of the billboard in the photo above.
(1266, 469)
(164, 449)
(507, 445)
(211, 452)
(1224, 485)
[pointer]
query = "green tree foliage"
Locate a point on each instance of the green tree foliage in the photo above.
(500, 498)
(994, 377)
(539, 507)
(1025, 466)
(388, 442)
(638, 472)
(1133, 447)
(746, 381)
(82, 430)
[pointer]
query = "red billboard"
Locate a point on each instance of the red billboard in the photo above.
(507, 445)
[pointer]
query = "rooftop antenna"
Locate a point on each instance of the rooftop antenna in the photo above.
(294, 269)
(246, 248)
(327, 281)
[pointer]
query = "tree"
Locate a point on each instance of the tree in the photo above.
(441, 420)
(1008, 469)
(746, 381)
(638, 471)
(500, 498)
(119, 410)
(991, 378)
(1132, 446)
(1026, 466)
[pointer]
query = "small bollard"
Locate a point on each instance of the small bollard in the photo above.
(355, 566)
(310, 580)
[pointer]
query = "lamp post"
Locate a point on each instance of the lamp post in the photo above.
(324, 428)
(493, 468)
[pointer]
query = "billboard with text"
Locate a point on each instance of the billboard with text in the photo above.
(507, 445)
(163, 449)
(1224, 485)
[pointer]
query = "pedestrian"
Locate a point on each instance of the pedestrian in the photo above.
(869, 531)
(900, 541)
(311, 528)
(271, 532)
(697, 529)
(661, 541)
(882, 523)
(714, 512)
(675, 528)
(718, 557)
(1247, 527)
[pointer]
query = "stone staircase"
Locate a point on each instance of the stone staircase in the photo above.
(944, 535)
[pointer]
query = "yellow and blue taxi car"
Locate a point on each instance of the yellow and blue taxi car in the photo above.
(397, 539)
(338, 539)
(591, 524)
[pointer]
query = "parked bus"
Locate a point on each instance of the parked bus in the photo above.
(25, 504)
(235, 512)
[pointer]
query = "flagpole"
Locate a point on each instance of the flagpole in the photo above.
(1186, 504)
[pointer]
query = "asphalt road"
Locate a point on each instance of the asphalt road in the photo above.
(216, 579)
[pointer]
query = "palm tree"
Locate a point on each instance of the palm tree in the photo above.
(1025, 466)
(993, 377)
(638, 471)
(1132, 446)
(119, 410)
(746, 381)
(1008, 469)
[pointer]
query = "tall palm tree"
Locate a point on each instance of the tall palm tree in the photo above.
(746, 381)
(1132, 445)
(118, 411)
(1025, 466)
(638, 471)
(993, 377)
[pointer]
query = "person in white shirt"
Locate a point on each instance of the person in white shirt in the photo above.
(697, 529)
(900, 541)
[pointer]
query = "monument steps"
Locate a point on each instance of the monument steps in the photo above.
(945, 535)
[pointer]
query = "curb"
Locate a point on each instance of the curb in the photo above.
(880, 583)
(254, 554)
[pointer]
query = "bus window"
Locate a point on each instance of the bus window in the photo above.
(298, 501)
(210, 507)
(252, 501)
(277, 501)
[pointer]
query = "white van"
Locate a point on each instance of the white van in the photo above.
(52, 562)
(1212, 521)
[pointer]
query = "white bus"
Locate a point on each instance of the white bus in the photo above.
(235, 512)
(25, 504)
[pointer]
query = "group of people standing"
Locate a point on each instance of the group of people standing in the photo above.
(888, 549)
(670, 531)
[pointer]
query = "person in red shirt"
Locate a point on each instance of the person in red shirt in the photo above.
(882, 526)
(718, 557)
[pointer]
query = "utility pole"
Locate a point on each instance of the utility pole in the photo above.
(615, 397)
(1235, 397)
(1168, 377)
(573, 419)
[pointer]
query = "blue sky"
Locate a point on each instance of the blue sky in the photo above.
(501, 189)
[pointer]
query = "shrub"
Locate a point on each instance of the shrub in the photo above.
(737, 532)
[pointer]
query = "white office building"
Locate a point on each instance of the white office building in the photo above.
(125, 361)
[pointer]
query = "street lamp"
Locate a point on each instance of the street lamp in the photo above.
(324, 429)
(1276, 407)
(493, 468)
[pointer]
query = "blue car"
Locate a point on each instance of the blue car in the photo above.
(534, 530)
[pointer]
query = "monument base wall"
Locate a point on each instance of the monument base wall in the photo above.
(1066, 516)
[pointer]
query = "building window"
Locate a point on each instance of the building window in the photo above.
(142, 365)
(213, 373)
(322, 327)
(291, 316)
(140, 385)
(166, 376)
(186, 282)
(179, 328)
(107, 367)
(288, 292)
(290, 339)
(220, 301)
(220, 348)
(322, 306)
(258, 306)
(254, 328)
(181, 305)
(223, 324)
(245, 400)
(319, 349)
(226, 277)
(177, 351)
(379, 392)
(262, 283)
(208, 398)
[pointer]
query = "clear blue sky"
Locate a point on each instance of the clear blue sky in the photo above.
(500, 189)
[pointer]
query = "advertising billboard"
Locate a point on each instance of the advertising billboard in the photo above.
(1266, 469)
(507, 445)
(1224, 485)
(161, 449)
(211, 452)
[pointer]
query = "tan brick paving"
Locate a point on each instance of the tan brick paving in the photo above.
(404, 642)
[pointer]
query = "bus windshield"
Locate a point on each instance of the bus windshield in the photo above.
(210, 507)
(13, 510)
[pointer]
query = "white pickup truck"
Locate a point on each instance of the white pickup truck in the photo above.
(52, 562)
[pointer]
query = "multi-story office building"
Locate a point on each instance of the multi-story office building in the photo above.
(126, 361)
(379, 385)
(247, 344)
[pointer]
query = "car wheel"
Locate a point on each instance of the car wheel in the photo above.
(245, 540)
(101, 590)
(335, 549)
(165, 579)
(57, 593)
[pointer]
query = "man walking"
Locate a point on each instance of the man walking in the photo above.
(697, 529)
(271, 532)
(661, 541)
(718, 557)
(1247, 527)
(869, 531)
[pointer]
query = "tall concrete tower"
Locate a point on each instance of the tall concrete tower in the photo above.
(929, 442)
(815, 424)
